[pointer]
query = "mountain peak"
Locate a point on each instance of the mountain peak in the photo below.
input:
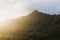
(36, 13)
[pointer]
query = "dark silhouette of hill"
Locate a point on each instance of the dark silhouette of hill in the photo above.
(37, 26)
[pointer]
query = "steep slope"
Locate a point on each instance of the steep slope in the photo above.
(36, 26)
(40, 26)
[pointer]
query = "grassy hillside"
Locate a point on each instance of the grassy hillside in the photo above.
(37, 26)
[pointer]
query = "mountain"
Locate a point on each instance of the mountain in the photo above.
(39, 26)
(35, 26)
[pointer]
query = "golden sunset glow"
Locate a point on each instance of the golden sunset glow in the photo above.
(29, 19)
(12, 9)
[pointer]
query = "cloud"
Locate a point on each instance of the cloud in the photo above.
(20, 7)
(47, 6)
(42, 5)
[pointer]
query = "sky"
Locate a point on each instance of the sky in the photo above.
(17, 8)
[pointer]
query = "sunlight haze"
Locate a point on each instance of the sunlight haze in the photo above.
(29, 19)
(17, 8)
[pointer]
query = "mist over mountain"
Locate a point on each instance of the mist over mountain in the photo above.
(35, 26)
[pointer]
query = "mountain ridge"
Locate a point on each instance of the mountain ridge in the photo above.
(36, 26)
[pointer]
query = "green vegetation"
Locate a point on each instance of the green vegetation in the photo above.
(38, 26)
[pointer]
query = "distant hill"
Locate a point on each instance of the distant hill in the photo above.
(37, 26)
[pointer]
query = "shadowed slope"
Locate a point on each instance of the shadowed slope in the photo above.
(37, 26)
(40, 26)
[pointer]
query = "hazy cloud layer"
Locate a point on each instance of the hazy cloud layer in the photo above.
(48, 6)
(20, 7)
